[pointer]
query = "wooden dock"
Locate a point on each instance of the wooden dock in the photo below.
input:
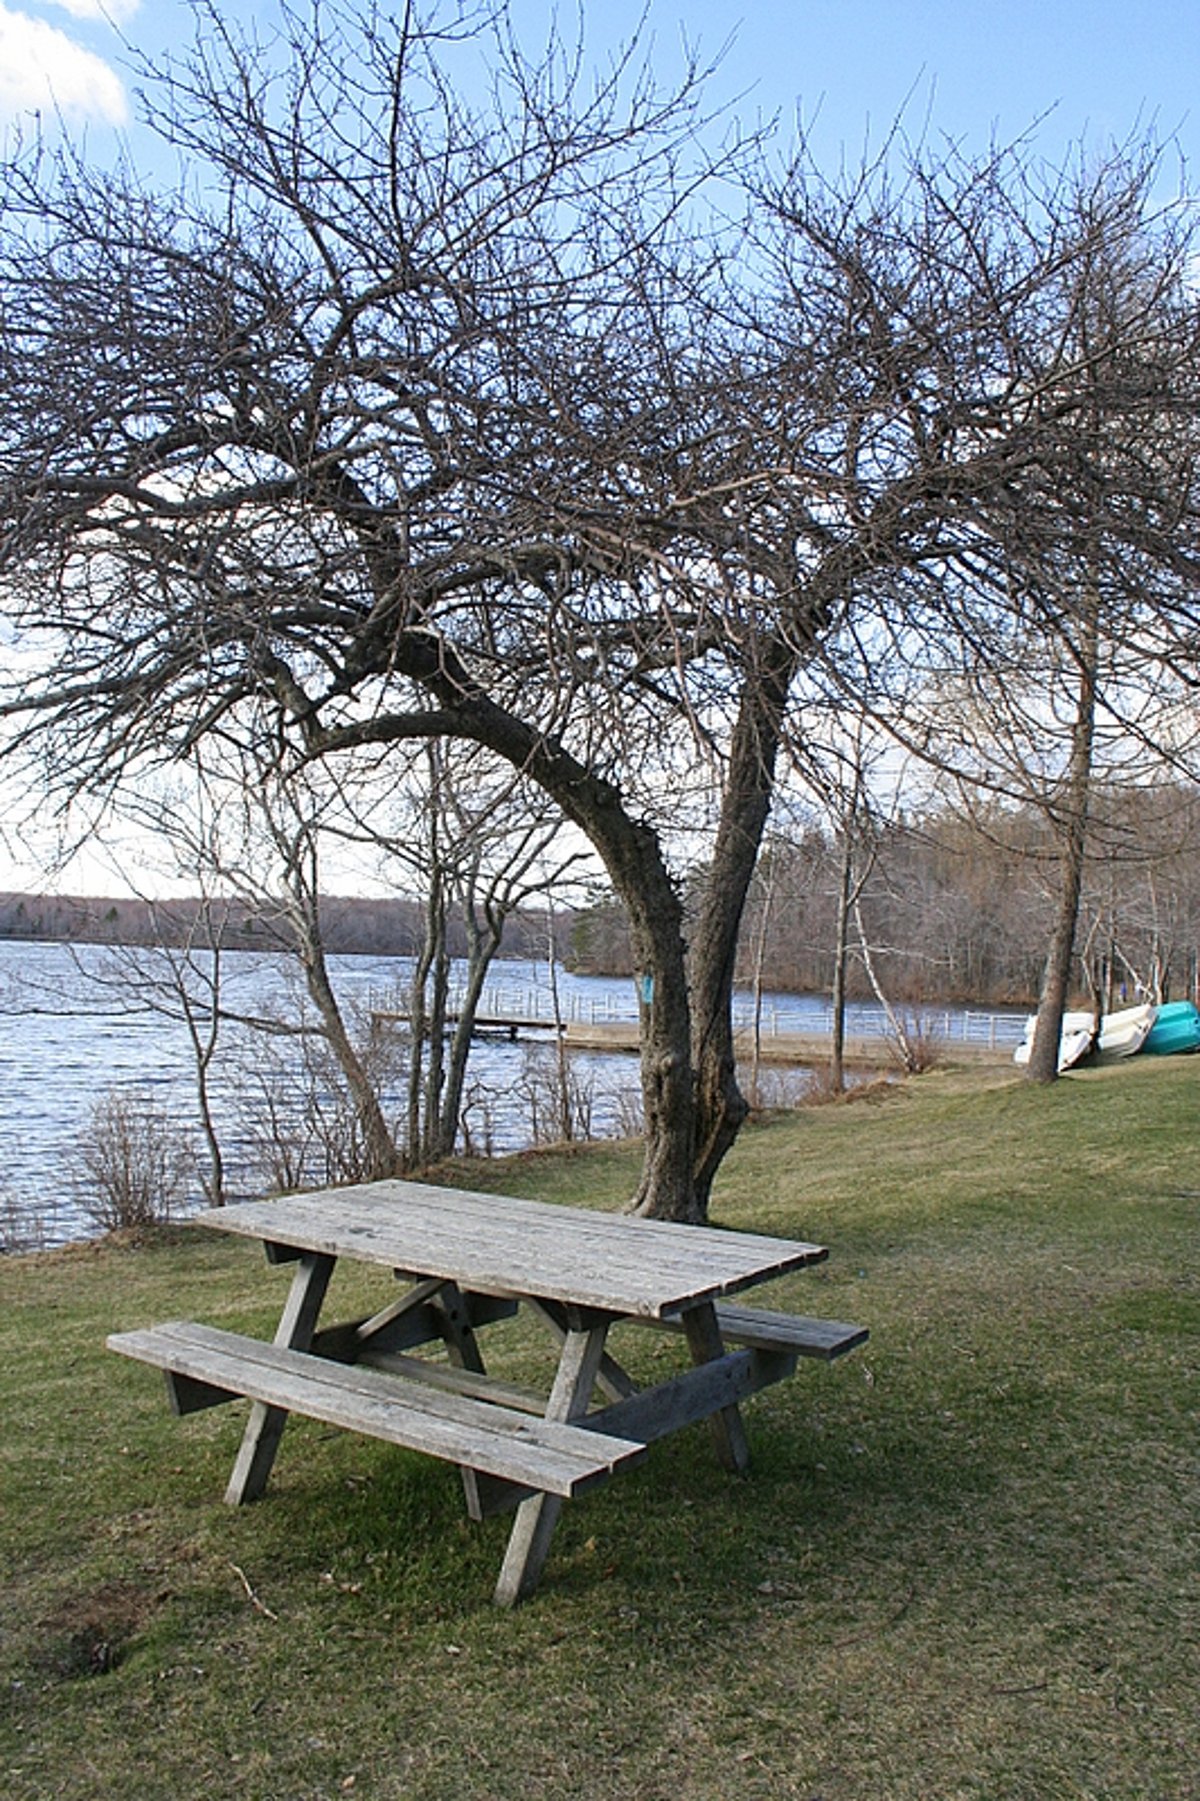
(509, 1025)
(795, 1050)
(792, 1050)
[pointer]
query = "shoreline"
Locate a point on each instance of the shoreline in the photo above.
(789, 1049)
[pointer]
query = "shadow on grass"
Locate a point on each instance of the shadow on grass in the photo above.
(388, 1526)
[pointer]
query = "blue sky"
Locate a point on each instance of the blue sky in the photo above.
(1094, 70)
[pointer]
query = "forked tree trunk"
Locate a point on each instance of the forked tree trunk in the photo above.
(692, 1109)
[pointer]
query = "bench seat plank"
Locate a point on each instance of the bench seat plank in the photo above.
(763, 1331)
(555, 1457)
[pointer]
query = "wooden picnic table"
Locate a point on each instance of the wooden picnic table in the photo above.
(466, 1260)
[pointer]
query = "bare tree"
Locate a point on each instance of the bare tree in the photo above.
(247, 833)
(182, 980)
(1060, 406)
(480, 845)
(371, 453)
(431, 423)
(290, 813)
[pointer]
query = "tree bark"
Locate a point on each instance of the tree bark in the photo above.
(1043, 1056)
(720, 1104)
(481, 948)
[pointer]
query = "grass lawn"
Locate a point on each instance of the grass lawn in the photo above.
(964, 1564)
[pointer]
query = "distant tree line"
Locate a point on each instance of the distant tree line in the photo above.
(391, 926)
(958, 910)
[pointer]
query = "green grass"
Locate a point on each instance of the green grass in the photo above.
(964, 1564)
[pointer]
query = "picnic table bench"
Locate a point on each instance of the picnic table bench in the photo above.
(468, 1260)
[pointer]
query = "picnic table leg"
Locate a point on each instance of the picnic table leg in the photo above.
(462, 1349)
(533, 1528)
(728, 1432)
(264, 1428)
(611, 1379)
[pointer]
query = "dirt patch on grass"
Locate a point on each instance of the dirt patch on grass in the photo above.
(90, 1634)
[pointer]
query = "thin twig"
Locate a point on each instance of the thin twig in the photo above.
(253, 1599)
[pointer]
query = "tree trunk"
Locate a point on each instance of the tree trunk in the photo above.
(666, 1189)
(841, 958)
(481, 948)
(691, 1101)
(418, 1021)
(1043, 1056)
(720, 1105)
(382, 1158)
(204, 1046)
(761, 937)
(435, 1067)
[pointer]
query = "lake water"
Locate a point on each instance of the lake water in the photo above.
(73, 1027)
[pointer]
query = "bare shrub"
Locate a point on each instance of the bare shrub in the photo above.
(477, 1120)
(298, 1125)
(822, 1087)
(558, 1102)
(131, 1162)
(629, 1113)
(779, 1088)
(865, 1085)
(916, 1044)
(22, 1228)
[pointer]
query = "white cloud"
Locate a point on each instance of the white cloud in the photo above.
(44, 70)
(108, 12)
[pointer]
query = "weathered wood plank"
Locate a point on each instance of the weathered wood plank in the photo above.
(693, 1395)
(502, 1245)
(185, 1395)
(805, 1337)
(264, 1429)
(612, 1381)
(463, 1353)
(477, 1383)
(560, 1459)
(403, 1331)
(725, 1424)
(529, 1541)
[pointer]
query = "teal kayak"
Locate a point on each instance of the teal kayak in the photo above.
(1176, 1028)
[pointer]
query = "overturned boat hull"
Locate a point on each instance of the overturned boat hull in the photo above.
(1077, 1038)
(1125, 1033)
(1176, 1029)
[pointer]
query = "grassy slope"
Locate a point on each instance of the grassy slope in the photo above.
(964, 1564)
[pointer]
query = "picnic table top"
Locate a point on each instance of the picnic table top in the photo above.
(499, 1245)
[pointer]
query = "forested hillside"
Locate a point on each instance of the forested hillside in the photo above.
(958, 908)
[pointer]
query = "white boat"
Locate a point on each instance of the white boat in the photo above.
(1076, 1040)
(1123, 1034)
